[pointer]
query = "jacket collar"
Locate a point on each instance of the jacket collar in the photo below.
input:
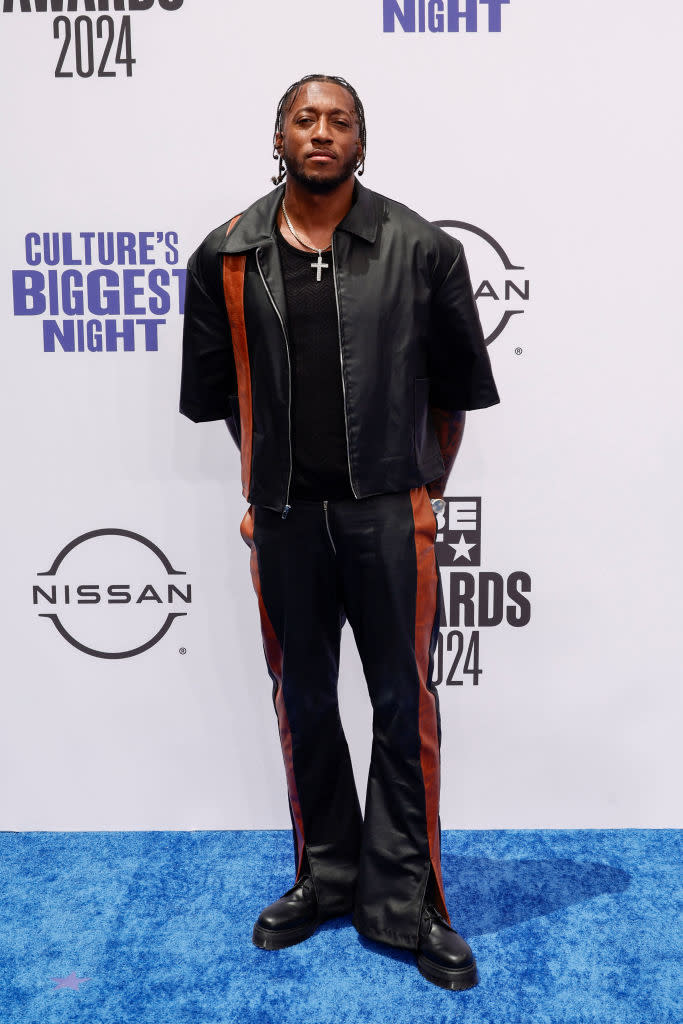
(256, 225)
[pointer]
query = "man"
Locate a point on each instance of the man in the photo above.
(336, 332)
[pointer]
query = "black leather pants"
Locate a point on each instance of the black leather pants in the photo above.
(371, 561)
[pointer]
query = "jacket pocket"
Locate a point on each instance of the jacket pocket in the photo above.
(427, 450)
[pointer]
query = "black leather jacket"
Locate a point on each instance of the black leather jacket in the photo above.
(409, 337)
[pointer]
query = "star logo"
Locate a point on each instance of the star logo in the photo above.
(458, 538)
(71, 981)
(462, 548)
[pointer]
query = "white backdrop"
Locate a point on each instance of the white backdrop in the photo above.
(558, 138)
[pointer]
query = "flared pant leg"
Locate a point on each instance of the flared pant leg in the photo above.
(391, 592)
(294, 575)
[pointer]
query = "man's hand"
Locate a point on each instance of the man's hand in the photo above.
(449, 425)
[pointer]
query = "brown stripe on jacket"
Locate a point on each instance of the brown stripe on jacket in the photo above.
(233, 289)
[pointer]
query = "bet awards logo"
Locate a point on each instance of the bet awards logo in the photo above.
(91, 47)
(442, 15)
(500, 287)
(112, 593)
(472, 598)
(100, 291)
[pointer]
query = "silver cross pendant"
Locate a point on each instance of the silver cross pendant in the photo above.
(320, 266)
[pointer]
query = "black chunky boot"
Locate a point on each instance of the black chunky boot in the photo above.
(443, 956)
(291, 919)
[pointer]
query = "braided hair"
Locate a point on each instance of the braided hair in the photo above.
(287, 100)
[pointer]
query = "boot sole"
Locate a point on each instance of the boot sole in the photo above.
(269, 938)
(448, 977)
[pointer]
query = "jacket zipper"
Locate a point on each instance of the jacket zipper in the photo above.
(327, 524)
(289, 394)
(341, 357)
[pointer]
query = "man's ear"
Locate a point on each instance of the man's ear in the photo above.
(277, 144)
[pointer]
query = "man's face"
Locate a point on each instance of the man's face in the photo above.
(319, 143)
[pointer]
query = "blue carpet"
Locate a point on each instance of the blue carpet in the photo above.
(567, 926)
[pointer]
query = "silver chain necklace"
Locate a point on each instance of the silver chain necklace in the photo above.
(318, 266)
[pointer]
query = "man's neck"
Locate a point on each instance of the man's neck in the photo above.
(317, 214)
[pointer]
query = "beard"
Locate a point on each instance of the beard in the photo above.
(296, 169)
